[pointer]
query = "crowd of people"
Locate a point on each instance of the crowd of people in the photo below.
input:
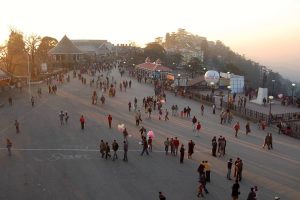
(172, 145)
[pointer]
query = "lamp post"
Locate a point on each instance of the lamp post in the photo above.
(178, 77)
(273, 84)
(29, 76)
(229, 89)
(293, 87)
(212, 87)
(270, 110)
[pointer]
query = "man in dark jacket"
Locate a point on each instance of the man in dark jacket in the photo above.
(251, 195)
(145, 146)
(115, 147)
(235, 190)
(181, 153)
(125, 151)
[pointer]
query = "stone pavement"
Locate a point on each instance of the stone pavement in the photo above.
(54, 162)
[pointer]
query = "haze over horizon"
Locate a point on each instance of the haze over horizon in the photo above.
(267, 31)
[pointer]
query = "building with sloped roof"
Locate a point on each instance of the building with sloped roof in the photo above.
(65, 54)
(95, 49)
(153, 69)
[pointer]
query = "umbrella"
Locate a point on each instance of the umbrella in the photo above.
(150, 134)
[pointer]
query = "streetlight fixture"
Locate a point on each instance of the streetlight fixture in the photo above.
(293, 87)
(273, 84)
(178, 75)
(229, 89)
(228, 74)
(270, 110)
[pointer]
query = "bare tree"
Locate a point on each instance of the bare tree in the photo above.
(32, 43)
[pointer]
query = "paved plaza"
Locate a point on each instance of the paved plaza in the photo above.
(55, 162)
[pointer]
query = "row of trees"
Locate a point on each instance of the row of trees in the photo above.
(19, 50)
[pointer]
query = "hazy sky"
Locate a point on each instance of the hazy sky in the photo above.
(267, 31)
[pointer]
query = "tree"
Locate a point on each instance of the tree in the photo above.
(232, 68)
(204, 48)
(16, 55)
(46, 44)
(32, 43)
(154, 51)
(3, 56)
(194, 66)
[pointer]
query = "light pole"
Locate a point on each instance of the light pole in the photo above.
(212, 87)
(229, 89)
(270, 110)
(178, 78)
(29, 76)
(273, 84)
(293, 87)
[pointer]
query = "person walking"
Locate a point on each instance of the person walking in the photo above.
(10, 101)
(115, 147)
(194, 121)
(202, 109)
(102, 148)
(251, 195)
(66, 117)
(198, 127)
(150, 144)
(166, 115)
(248, 128)
(32, 101)
(229, 166)
(107, 151)
(129, 106)
(203, 182)
(191, 146)
(214, 108)
(235, 190)
(236, 128)
(82, 122)
(109, 118)
(214, 146)
(145, 146)
(8, 146)
(125, 134)
(182, 153)
(176, 145)
(207, 168)
(17, 125)
(61, 117)
(125, 151)
(167, 144)
(161, 196)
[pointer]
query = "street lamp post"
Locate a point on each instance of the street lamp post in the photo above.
(229, 89)
(29, 76)
(270, 110)
(273, 84)
(293, 87)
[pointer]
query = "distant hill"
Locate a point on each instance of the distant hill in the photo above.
(218, 56)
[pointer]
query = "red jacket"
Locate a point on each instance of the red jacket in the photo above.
(198, 126)
(109, 118)
(82, 120)
(176, 143)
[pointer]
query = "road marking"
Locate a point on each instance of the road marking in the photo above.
(87, 150)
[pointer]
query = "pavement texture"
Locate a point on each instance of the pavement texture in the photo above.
(50, 161)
